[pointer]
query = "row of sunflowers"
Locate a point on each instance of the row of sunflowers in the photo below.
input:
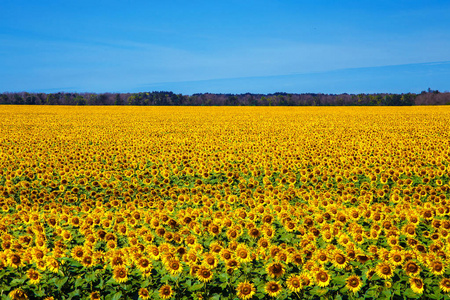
(224, 203)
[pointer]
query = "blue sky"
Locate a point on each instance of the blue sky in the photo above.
(224, 46)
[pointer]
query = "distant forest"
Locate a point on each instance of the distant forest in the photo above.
(429, 97)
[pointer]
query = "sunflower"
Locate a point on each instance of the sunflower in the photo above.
(94, 295)
(15, 260)
(34, 276)
(87, 261)
(232, 264)
(416, 285)
(296, 258)
(322, 278)
(245, 290)
(210, 261)
(437, 267)
(384, 270)
(144, 294)
(396, 257)
(204, 274)
(111, 244)
(120, 274)
(165, 292)
(294, 283)
(243, 254)
(117, 261)
(370, 273)
(273, 288)
(144, 264)
(275, 270)
(225, 254)
(444, 284)
(340, 260)
(52, 264)
(18, 294)
(174, 266)
(193, 270)
(321, 256)
(354, 283)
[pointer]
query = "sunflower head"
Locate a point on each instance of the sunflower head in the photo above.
(416, 285)
(18, 294)
(354, 283)
(437, 267)
(273, 288)
(294, 283)
(275, 270)
(322, 278)
(444, 284)
(204, 274)
(120, 274)
(245, 290)
(94, 296)
(411, 268)
(384, 270)
(165, 292)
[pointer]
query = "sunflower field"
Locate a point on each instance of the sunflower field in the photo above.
(224, 202)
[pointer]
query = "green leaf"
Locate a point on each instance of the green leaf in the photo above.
(74, 294)
(196, 287)
(39, 293)
(387, 294)
(90, 277)
(410, 294)
(215, 297)
(117, 296)
(223, 285)
(340, 280)
(60, 282)
(17, 282)
(145, 283)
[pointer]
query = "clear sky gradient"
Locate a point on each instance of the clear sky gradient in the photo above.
(224, 46)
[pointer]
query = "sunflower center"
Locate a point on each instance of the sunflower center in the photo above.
(340, 259)
(323, 277)
(418, 283)
(353, 282)
(386, 270)
(412, 267)
(446, 283)
(437, 267)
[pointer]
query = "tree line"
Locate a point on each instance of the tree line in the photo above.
(159, 98)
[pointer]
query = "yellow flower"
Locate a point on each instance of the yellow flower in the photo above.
(273, 288)
(354, 283)
(18, 294)
(120, 274)
(245, 290)
(165, 292)
(322, 278)
(444, 284)
(384, 270)
(144, 294)
(204, 274)
(33, 276)
(94, 295)
(416, 285)
(275, 270)
(294, 283)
